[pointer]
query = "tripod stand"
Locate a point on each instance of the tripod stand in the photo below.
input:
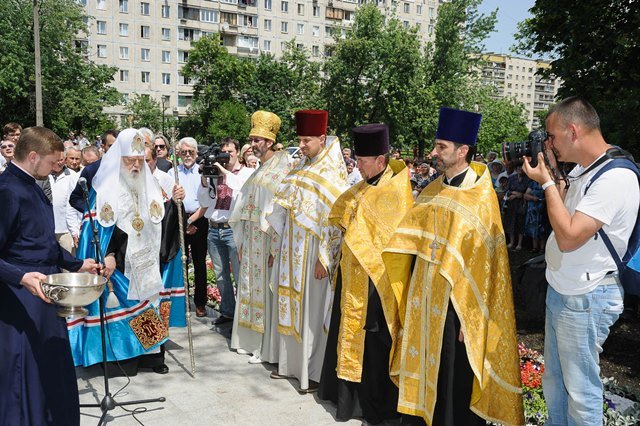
(108, 403)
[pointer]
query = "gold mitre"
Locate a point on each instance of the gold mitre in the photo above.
(265, 124)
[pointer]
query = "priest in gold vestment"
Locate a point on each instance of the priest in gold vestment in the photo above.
(254, 323)
(309, 250)
(455, 359)
(355, 374)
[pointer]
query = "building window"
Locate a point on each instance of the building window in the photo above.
(283, 45)
(145, 76)
(432, 12)
(184, 100)
(208, 15)
(166, 11)
(316, 11)
(101, 27)
(300, 29)
(406, 24)
(145, 54)
(183, 56)
(267, 4)
(249, 21)
(284, 6)
(267, 24)
(300, 9)
(145, 9)
(123, 6)
(419, 9)
(124, 76)
(101, 4)
(124, 52)
(300, 46)
(166, 56)
(430, 29)
(266, 45)
(125, 99)
(315, 50)
(166, 34)
(145, 30)
(102, 50)
(166, 78)
(284, 27)
(406, 8)
(124, 30)
(229, 18)
(316, 31)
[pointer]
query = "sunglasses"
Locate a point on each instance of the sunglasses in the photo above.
(161, 147)
(7, 145)
(185, 152)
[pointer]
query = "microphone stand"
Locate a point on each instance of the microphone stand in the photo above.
(107, 403)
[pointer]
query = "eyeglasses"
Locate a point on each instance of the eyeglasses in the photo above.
(161, 147)
(186, 152)
(7, 145)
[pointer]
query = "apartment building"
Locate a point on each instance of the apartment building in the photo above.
(149, 41)
(517, 78)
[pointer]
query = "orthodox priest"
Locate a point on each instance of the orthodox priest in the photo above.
(309, 249)
(364, 318)
(254, 323)
(456, 362)
(138, 233)
(37, 378)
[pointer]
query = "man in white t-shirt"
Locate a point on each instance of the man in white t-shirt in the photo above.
(584, 298)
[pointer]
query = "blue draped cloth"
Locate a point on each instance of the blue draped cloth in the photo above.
(123, 342)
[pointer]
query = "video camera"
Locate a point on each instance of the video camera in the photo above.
(514, 151)
(208, 155)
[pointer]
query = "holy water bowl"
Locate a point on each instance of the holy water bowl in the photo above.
(72, 291)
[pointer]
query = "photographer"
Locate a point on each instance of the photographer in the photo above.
(222, 178)
(584, 298)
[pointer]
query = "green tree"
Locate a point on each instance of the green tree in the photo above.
(595, 46)
(74, 89)
(503, 120)
(228, 119)
(218, 77)
(284, 86)
(145, 112)
(374, 75)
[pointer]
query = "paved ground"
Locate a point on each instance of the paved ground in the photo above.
(227, 390)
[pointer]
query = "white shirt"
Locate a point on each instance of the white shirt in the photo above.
(612, 199)
(61, 188)
(208, 197)
(354, 177)
(166, 182)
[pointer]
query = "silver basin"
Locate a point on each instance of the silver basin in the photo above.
(71, 291)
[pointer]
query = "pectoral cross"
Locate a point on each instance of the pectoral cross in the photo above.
(434, 246)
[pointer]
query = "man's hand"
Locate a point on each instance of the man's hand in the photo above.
(178, 193)
(221, 168)
(75, 241)
(32, 281)
(191, 230)
(320, 272)
(461, 337)
(109, 266)
(540, 173)
(90, 266)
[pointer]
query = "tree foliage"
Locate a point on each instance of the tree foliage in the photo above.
(595, 46)
(74, 89)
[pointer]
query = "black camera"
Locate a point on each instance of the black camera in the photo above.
(208, 156)
(514, 151)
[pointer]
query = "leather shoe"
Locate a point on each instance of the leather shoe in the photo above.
(201, 311)
(313, 387)
(222, 320)
(160, 369)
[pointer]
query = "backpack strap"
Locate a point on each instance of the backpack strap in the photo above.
(622, 163)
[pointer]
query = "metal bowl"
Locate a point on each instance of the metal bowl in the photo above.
(71, 291)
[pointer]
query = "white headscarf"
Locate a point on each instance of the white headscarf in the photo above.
(106, 183)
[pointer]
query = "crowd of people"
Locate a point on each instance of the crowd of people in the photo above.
(381, 284)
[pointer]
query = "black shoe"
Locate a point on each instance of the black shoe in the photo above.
(160, 369)
(222, 320)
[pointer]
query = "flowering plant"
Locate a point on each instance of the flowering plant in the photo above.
(531, 371)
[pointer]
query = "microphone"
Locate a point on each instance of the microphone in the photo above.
(83, 184)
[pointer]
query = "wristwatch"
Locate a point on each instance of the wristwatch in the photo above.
(189, 221)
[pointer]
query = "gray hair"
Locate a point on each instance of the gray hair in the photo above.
(147, 133)
(70, 148)
(190, 142)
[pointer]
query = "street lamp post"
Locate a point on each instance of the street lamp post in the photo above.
(36, 46)
(162, 99)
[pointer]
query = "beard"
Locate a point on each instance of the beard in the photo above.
(132, 181)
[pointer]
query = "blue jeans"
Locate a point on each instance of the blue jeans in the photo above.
(576, 328)
(224, 256)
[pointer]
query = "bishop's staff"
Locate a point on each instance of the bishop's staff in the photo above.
(185, 275)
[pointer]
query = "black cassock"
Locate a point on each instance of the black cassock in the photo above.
(37, 377)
